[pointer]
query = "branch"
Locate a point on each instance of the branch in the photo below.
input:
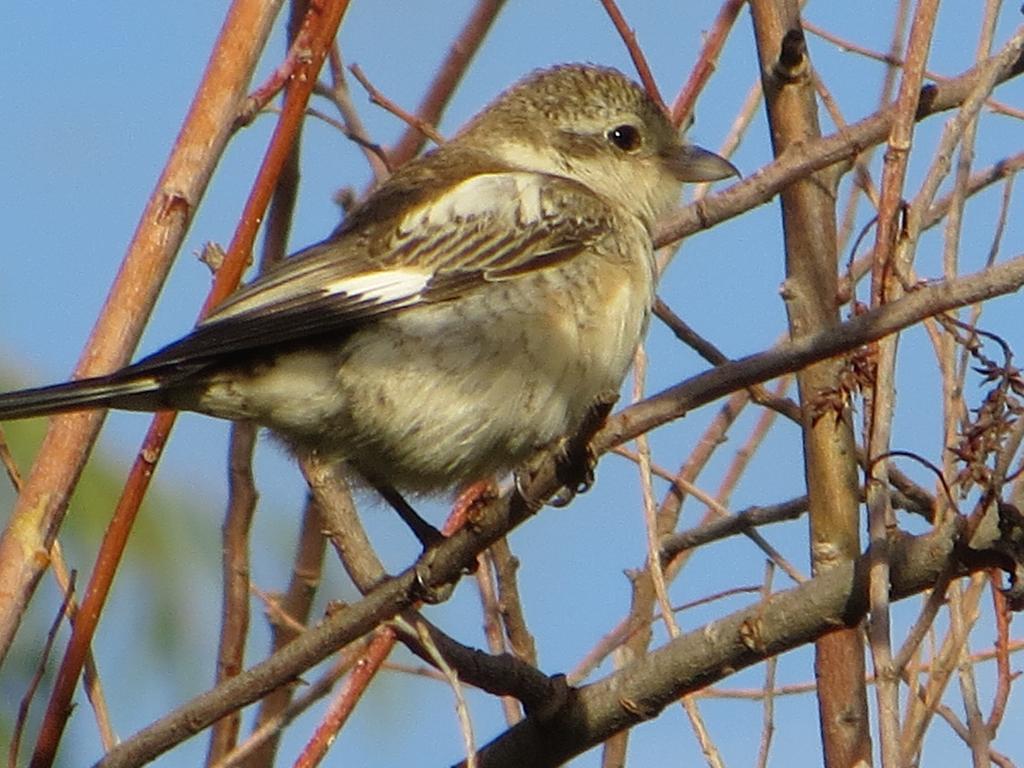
(40, 508)
(325, 21)
(639, 691)
(445, 564)
(460, 54)
(790, 356)
(714, 41)
(628, 36)
(376, 97)
(800, 160)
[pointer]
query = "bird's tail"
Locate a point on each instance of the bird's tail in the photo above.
(117, 390)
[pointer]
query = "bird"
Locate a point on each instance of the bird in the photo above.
(469, 312)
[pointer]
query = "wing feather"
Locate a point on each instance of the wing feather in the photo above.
(493, 226)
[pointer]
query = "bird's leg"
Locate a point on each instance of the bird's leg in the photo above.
(427, 534)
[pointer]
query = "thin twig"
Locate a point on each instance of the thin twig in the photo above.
(352, 124)
(897, 62)
(506, 566)
(21, 721)
(460, 54)
(628, 36)
(768, 717)
(1004, 678)
(382, 101)
(492, 626)
(242, 498)
(462, 710)
(714, 41)
(345, 702)
(10, 465)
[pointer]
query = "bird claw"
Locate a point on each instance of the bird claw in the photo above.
(427, 593)
(577, 476)
(575, 458)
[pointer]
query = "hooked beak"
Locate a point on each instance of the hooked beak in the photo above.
(692, 163)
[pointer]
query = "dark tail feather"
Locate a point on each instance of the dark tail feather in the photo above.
(100, 392)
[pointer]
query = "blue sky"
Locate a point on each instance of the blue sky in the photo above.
(92, 103)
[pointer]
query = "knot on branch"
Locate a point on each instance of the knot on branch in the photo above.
(792, 64)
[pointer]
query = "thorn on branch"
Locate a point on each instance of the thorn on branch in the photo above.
(983, 436)
(856, 378)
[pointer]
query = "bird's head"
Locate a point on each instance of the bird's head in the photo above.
(595, 126)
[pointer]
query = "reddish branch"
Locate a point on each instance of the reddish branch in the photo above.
(628, 36)
(345, 703)
(324, 25)
(298, 52)
(40, 508)
(714, 41)
(242, 494)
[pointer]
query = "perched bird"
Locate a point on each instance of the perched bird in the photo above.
(469, 312)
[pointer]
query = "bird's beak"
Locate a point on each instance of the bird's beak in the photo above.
(692, 163)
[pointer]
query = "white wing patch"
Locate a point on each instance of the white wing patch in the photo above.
(488, 194)
(369, 288)
(381, 286)
(507, 201)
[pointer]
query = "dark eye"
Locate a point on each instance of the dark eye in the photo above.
(625, 137)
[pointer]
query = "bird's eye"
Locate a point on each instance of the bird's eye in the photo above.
(625, 137)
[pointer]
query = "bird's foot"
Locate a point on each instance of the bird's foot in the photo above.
(576, 463)
(469, 505)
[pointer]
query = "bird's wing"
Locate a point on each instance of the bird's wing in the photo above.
(490, 227)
